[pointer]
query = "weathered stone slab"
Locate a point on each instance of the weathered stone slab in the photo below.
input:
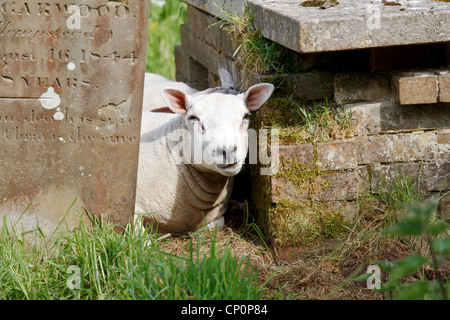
(70, 107)
(205, 54)
(432, 176)
(317, 187)
(443, 136)
(387, 116)
(353, 87)
(444, 206)
(353, 24)
(190, 71)
(415, 88)
(209, 29)
(337, 155)
(303, 154)
(444, 87)
(402, 147)
(315, 85)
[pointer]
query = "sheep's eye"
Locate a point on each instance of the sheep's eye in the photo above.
(246, 117)
(193, 118)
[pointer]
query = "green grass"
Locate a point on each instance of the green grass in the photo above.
(163, 35)
(96, 262)
(254, 53)
(299, 122)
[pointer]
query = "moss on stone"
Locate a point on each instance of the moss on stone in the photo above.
(299, 122)
(317, 3)
(294, 223)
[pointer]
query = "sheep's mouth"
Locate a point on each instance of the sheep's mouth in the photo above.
(228, 166)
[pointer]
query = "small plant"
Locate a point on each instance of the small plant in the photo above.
(421, 221)
(299, 123)
(401, 190)
(254, 53)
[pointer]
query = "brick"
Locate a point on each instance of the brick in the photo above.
(303, 154)
(337, 155)
(415, 88)
(190, 71)
(353, 87)
(204, 54)
(384, 175)
(322, 187)
(316, 85)
(388, 116)
(443, 136)
(414, 146)
(336, 186)
(210, 30)
(433, 176)
(444, 206)
(444, 87)
(363, 179)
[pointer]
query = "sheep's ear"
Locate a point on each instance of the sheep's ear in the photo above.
(176, 100)
(226, 80)
(257, 95)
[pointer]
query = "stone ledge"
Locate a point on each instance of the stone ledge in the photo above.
(388, 116)
(353, 24)
(402, 147)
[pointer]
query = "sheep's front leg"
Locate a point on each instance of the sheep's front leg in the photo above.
(216, 224)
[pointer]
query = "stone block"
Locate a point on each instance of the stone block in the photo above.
(383, 176)
(70, 112)
(337, 155)
(444, 87)
(190, 71)
(415, 88)
(355, 24)
(317, 187)
(316, 85)
(444, 206)
(204, 54)
(443, 136)
(435, 176)
(431, 176)
(353, 87)
(386, 116)
(402, 147)
(210, 30)
(303, 154)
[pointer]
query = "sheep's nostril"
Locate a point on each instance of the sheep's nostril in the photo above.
(227, 155)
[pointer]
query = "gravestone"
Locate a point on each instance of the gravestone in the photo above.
(71, 83)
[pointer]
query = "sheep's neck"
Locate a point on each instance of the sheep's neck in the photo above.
(208, 187)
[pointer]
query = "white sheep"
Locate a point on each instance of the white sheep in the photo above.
(188, 158)
(154, 83)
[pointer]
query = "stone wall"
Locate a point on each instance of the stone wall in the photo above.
(401, 122)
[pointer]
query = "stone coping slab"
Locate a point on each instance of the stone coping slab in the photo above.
(352, 24)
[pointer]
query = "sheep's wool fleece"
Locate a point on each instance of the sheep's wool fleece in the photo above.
(178, 197)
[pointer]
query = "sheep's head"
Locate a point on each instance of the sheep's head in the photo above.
(217, 124)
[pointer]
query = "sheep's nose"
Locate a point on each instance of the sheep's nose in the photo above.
(227, 154)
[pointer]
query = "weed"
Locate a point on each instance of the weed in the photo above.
(420, 221)
(299, 123)
(254, 53)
